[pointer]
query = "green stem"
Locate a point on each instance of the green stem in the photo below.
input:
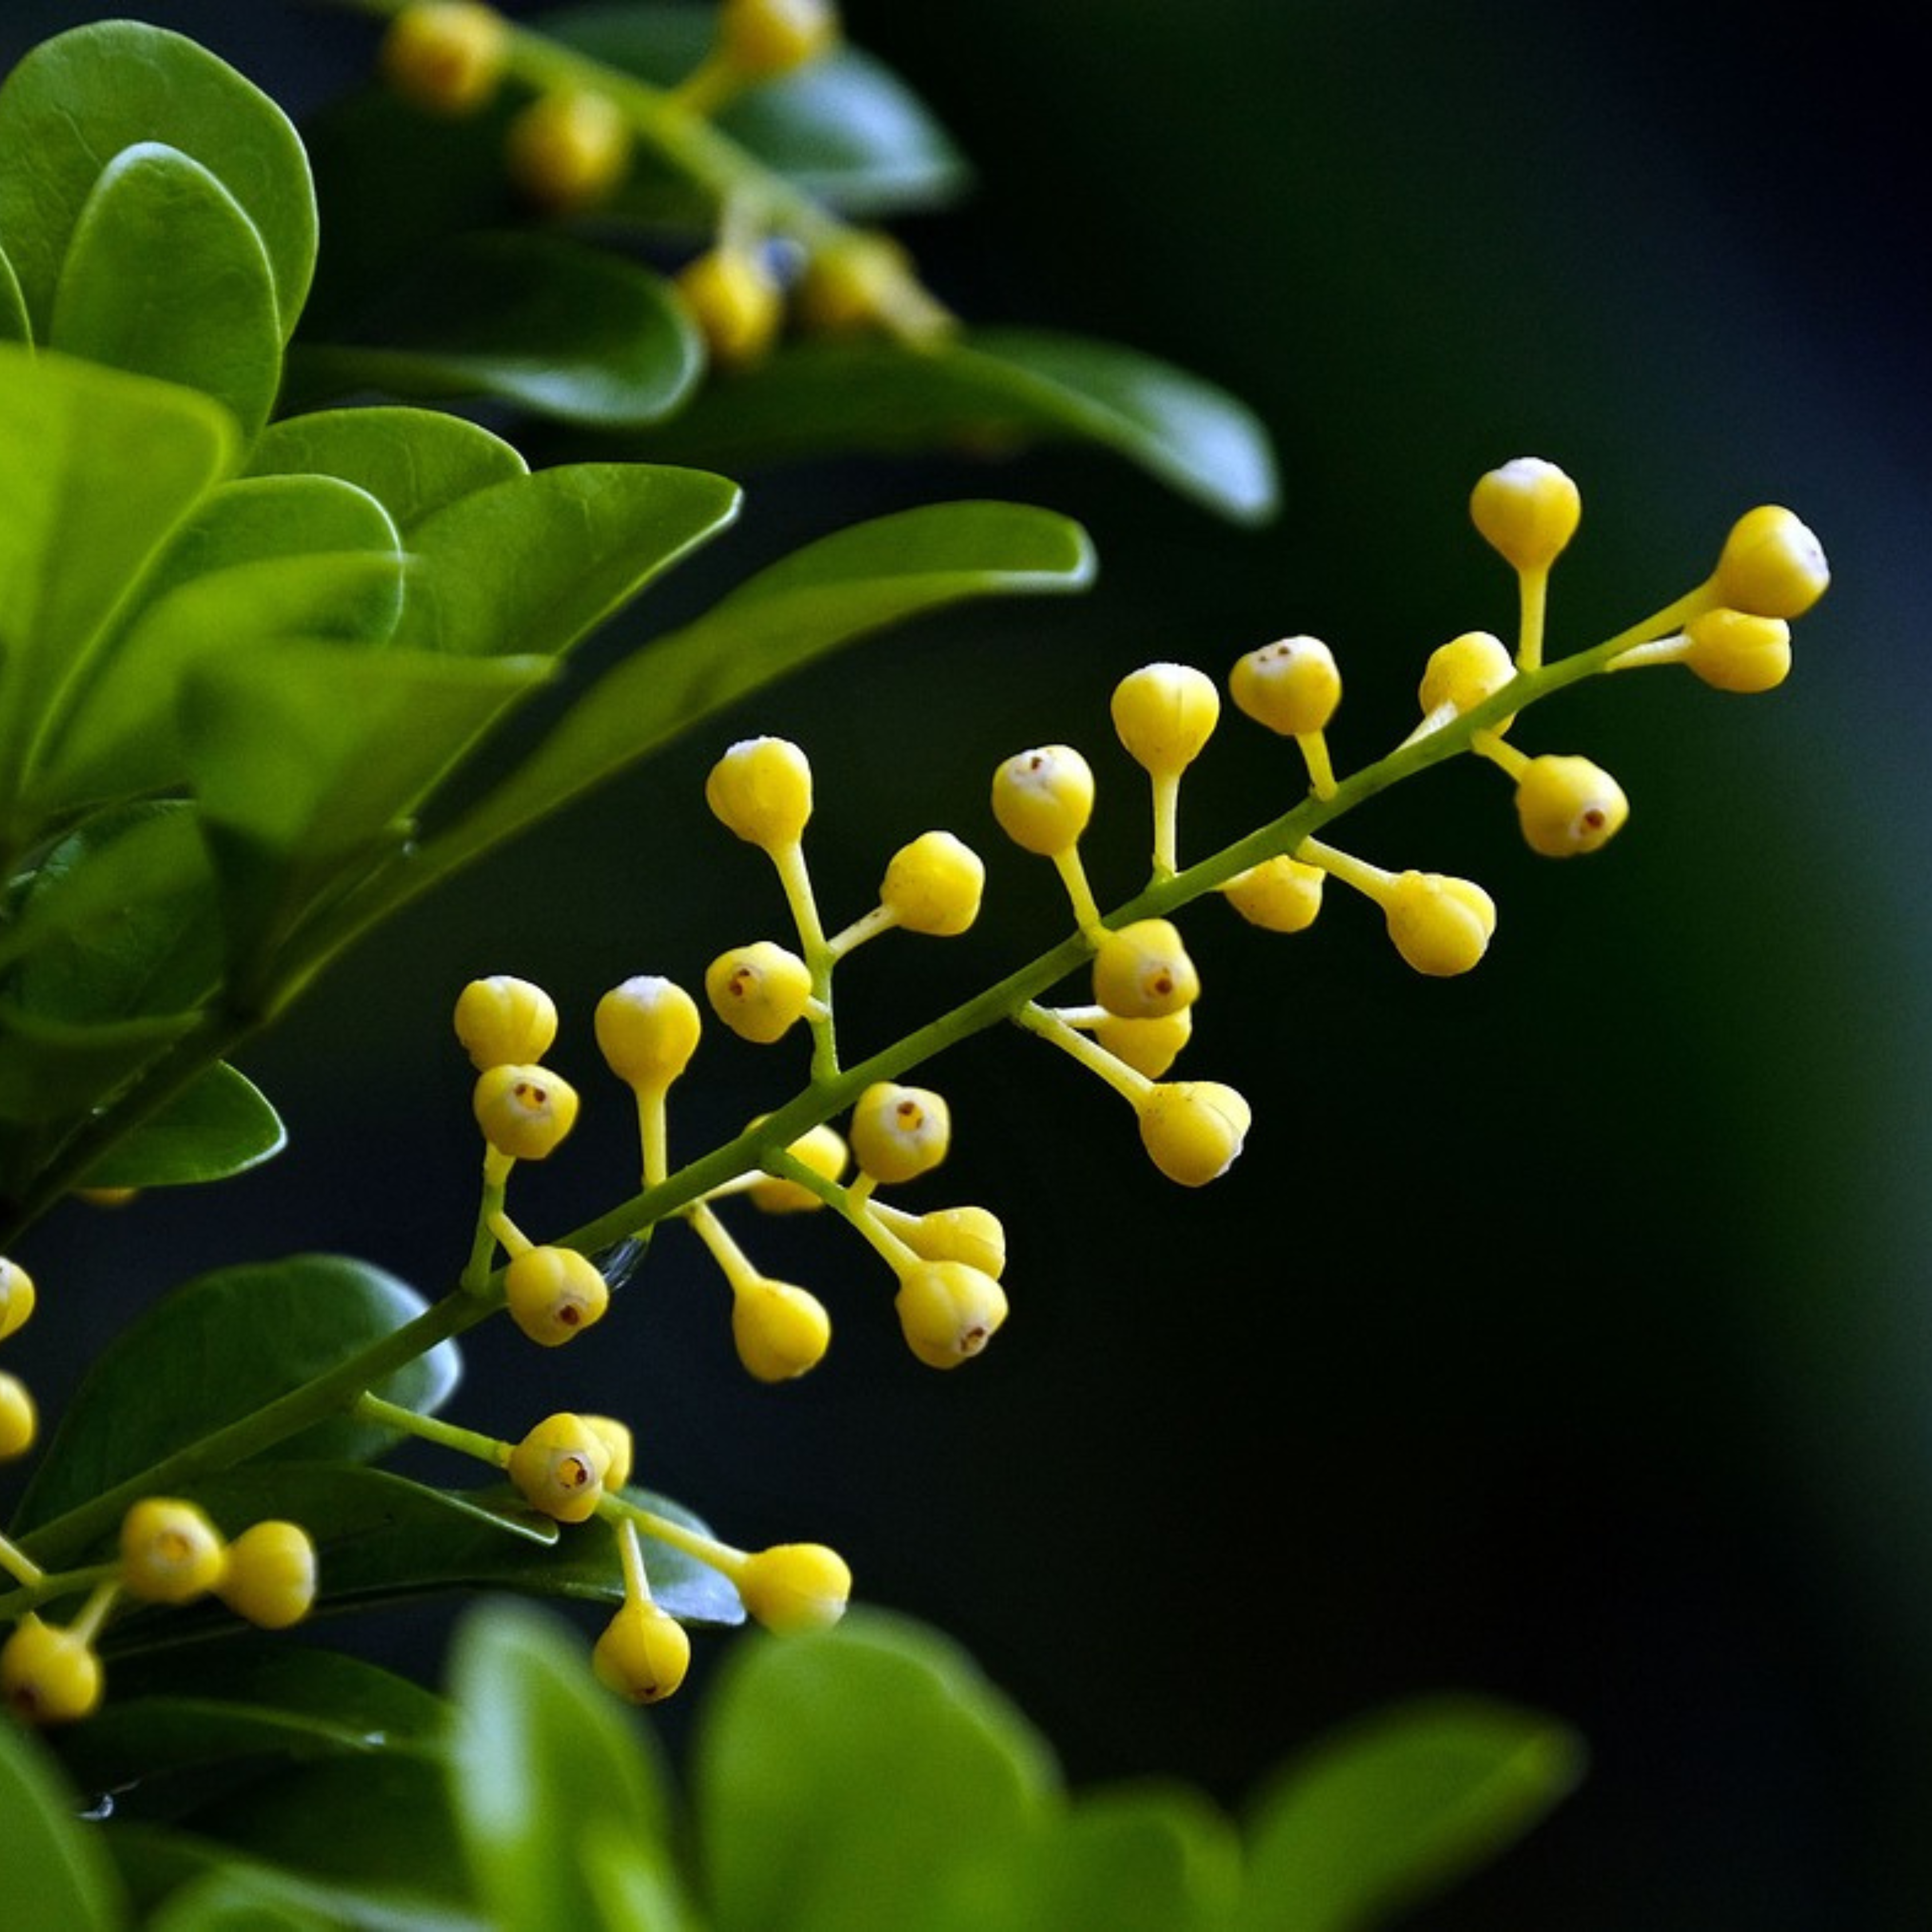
(372, 1408)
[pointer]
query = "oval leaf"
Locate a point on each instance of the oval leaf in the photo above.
(220, 1125)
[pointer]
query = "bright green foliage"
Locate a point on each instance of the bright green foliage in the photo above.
(55, 1874)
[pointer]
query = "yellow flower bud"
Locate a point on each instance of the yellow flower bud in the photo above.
(17, 1297)
(970, 1235)
(1528, 510)
(1148, 1046)
(772, 37)
(1165, 714)
(617, 1438)
(1460, 674)
(780, 1331)
(795, 1586)
(647, 1029)
(1280, 894)
(559, 1468)
(933, 885)
(899, 1132)
(1193, 1129)
(823, 1149)
(568, 149)
(170, 1552)
(948, 1311)
(1731, 650)
(849, 283)
(554, 1294)
(1292, 686)
(643, 1654)
(1043, 798)
(48, 1676)
(1142, 972)
(1771, 566)
(735, 302)
(502, 1019)
(1568, 805)
(525, 1111)
(272, 1575)
(19, 1419)
(760, 991)
(445, 56)
(1441, 925)
(761, 790)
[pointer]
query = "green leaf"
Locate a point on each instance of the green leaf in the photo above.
(863, 1779)
(855, 581)
(987, 389)
(1135, 1859)
(14, 326)
(51, 1069)
(532, 564)
(1397, 1806)
(55, 1874)
(240, 1901)
(543, 1762)
(217, 1348)
(97, 469)
(220, 1125)
(413, 461)
(540, 321)
(165, 276)
(75, 101)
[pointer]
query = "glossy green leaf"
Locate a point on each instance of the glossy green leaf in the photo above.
(238, 1899)
(221, 1124)
(14, 326)
(413, 461)
(544, 1760)
(530, 564)
(920, 1794)
(54, 1874)
(97, 469)
(53, 1068)
(843, 586)
(633, 1882)
(75, 101)
(1134, 1859)
(989, 389)
(1396, 1807)
(165, 276)
(539, 321)
(217, 1348)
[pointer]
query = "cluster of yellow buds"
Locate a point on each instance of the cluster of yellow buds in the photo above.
(19, 1419)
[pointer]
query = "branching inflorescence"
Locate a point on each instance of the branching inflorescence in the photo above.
(948, 1264)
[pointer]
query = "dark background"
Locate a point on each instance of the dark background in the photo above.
(1564, 1332)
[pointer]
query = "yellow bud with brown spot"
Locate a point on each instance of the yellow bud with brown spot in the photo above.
(559, 1467)
(1043, 798)
(526, 1112)
(760, 991)
(554, 1294)
(48, 1675)
(170, 1552)
(1567, 805)
(1292, 686)
(1142, 971)
(643, 1654)
(899, 1132)
(948, 1311)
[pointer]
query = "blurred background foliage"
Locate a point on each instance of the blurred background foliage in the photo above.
(1565, 1332)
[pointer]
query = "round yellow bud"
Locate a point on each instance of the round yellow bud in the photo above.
(643, 1654)
(780, 1331)
(1731, 650)
(48, 1676)
(1460, 674)
(933, 885)
(1292, 685)
(568, 149)
(559, 1468)
(1194, 1129)
(17, 1297)
(554, 1294)
(761, 790)
(823, 1149)
(771, 36)
(1280, 894)
(170, 1552)
(1568, 805)
(849, 283)
(795, 1586)
(503, 1019)
(1165, 714)
(948, 1311)
(1142, 972)
(617, 1438)
(525, 1111)
(1528, 510)
(647, 1029)
(899, 1132)
(272, 1575)
(1441, 925)
(445, 56)
(735, 302)
(1043, 798)
(970, 1235)
(760, 991)
(19, 1419)
(1771, 566)
(1148, 1046)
